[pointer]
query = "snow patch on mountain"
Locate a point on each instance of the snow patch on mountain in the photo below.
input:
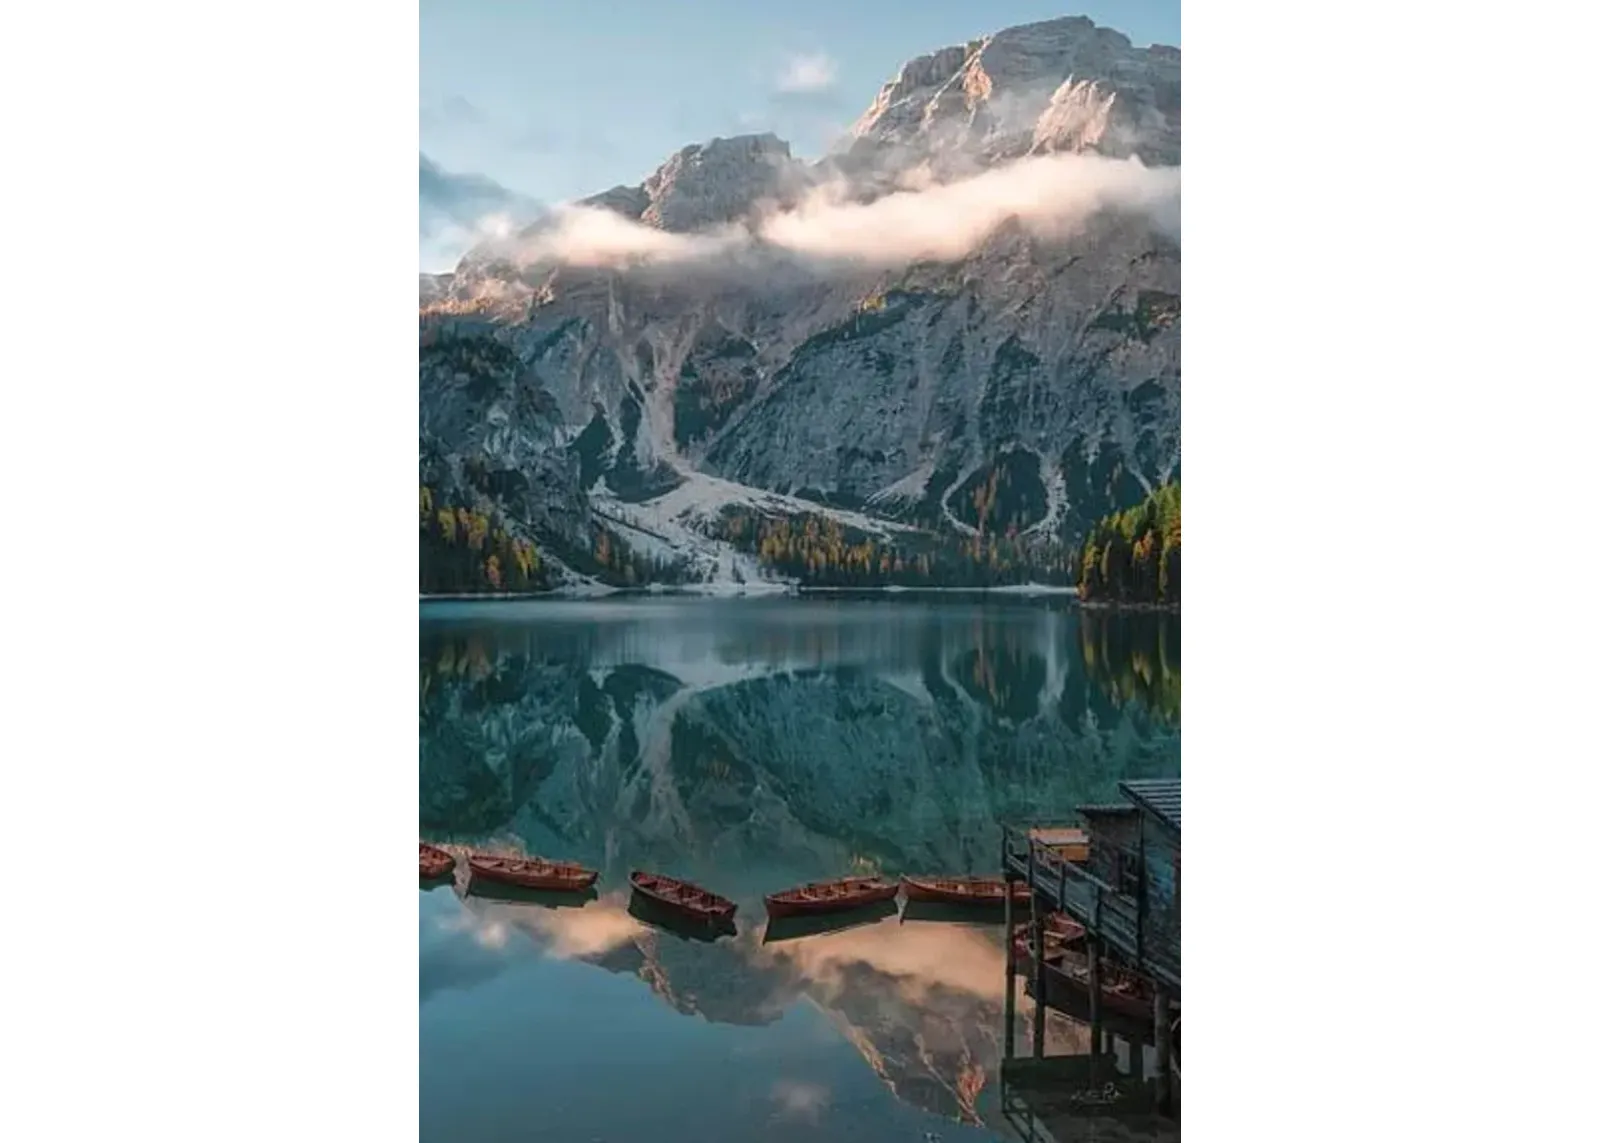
(909, 489)
(673, 528)
(703, 497)
(1055, 493)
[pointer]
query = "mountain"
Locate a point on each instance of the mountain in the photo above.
(954, 336)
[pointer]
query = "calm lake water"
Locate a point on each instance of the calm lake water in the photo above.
(750, 745)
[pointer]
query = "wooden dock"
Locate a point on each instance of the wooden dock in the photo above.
(1116, 872)
(1147, 943)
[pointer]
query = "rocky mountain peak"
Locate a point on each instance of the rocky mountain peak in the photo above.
(706, 184)
(1055, 85)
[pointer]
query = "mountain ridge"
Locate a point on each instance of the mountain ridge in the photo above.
(736, 318)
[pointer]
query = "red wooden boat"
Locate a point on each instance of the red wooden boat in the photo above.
(831, 896)
(963, 890)
(1060, 932)
(682, 897)
(533, 873)
(432, 861)
(1121, 992)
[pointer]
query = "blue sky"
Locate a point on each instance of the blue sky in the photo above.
(555, 100)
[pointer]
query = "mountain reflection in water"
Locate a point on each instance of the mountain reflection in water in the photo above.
(921, 1003)
(749, 746)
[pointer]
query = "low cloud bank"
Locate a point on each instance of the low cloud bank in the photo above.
(1049, 195)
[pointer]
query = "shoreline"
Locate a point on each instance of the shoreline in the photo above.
(998, 589)
(488, 597)
(1117, 605)
(601, 591)
(755, 590)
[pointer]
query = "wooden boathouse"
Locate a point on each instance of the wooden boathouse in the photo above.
(1116, 872)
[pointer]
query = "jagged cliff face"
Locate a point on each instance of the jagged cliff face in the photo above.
(703, 185)
(1060, 85)
(896, 387)
(491, 433)
(1023, 350)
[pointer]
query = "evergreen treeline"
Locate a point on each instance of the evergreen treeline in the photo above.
(1128, 557)
(463, 550)
(614, 563)
(820, 552)
(1133, 556)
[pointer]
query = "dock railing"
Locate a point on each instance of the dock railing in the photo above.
(1114, 917)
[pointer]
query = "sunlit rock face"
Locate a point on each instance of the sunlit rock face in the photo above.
(1058, 85)
(892, 384)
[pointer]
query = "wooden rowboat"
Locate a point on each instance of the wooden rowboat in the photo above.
(533, 873)
(683, 897)
(1060, 932)
(963, 890)
(831, 896)
(432, 861)
(1058, 927)
(1120, 992)
(1066, 989)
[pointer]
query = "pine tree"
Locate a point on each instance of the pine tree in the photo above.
(1133, 555)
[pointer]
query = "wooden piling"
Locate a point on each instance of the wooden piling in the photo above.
(1163, 1015)
(1010, 1039)
(1036, 940)
(1095, 1028)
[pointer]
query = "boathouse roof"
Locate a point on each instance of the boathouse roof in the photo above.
(1160, 797)
(1106, 809)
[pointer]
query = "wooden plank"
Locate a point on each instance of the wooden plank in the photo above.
(1036, 941)
(1093, 949)
(1011, 974)
(1163, 1020)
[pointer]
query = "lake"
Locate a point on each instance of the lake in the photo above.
(750, 745)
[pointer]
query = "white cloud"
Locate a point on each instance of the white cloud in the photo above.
(808, 73)
(592, 236)
(944, 221)
(1050, 195)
